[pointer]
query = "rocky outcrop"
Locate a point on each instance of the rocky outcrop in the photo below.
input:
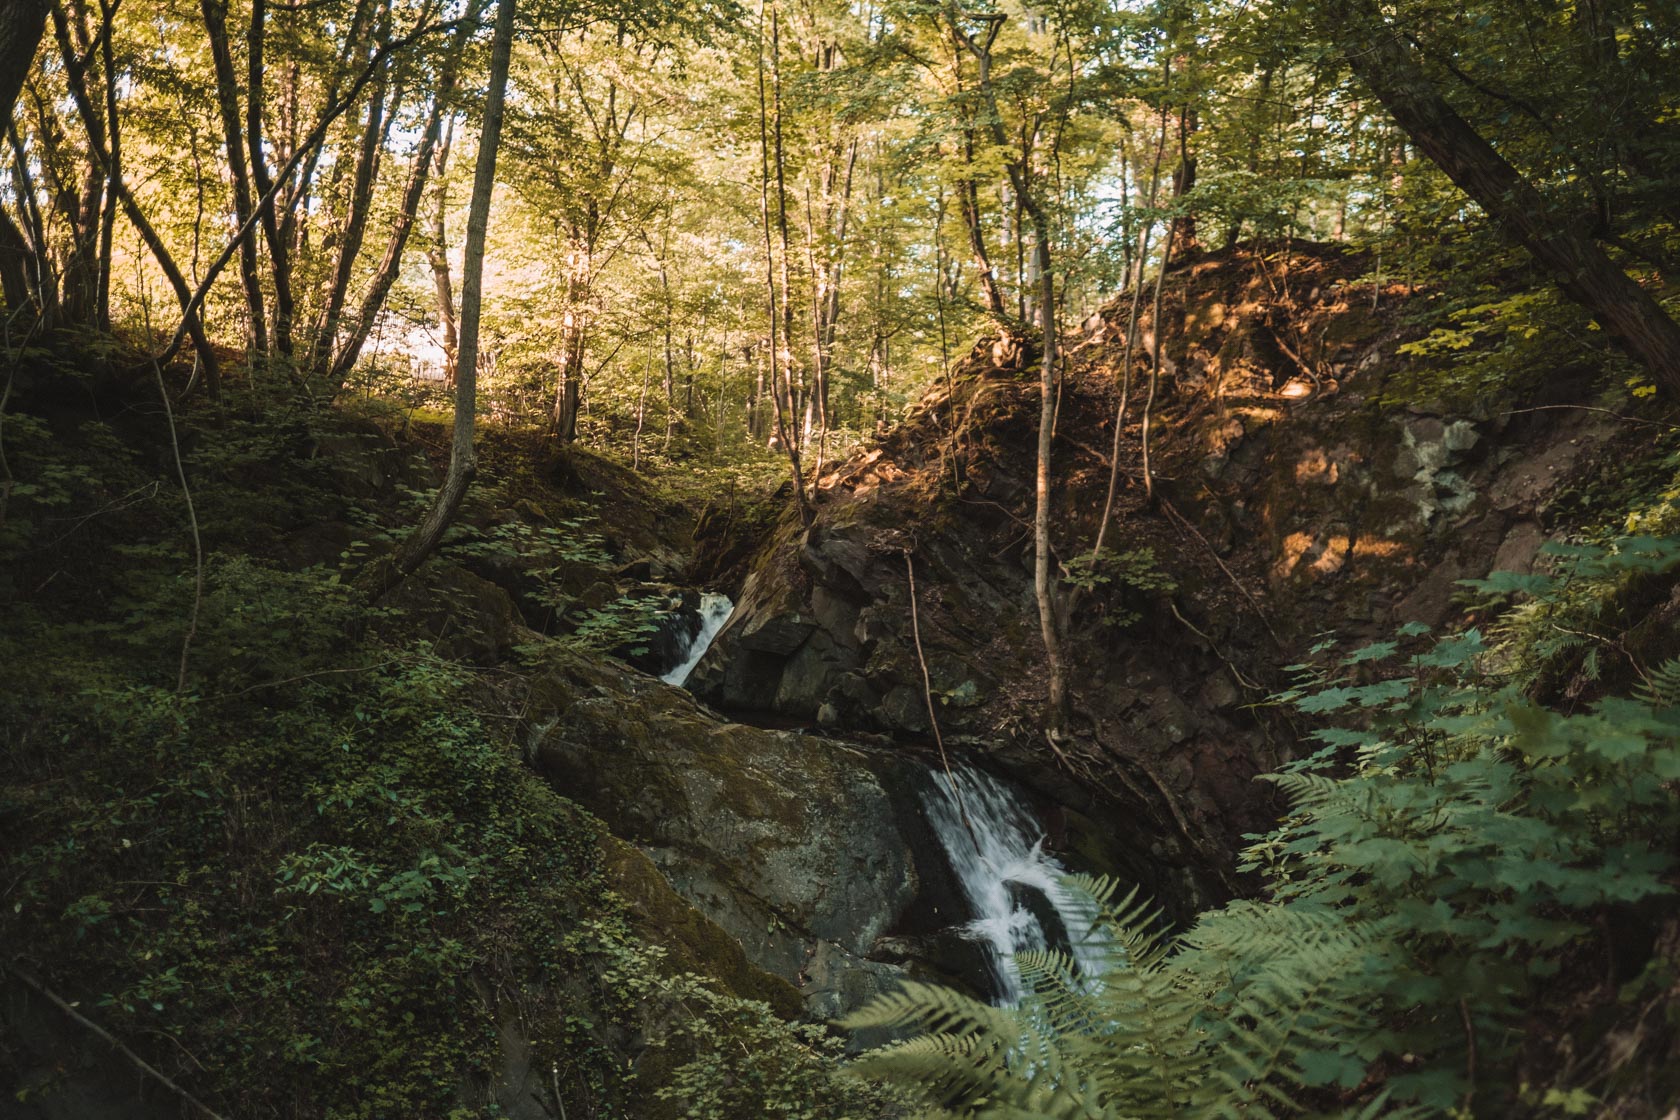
(1294, 496)
(810, 853)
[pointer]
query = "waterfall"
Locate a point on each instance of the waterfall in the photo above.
(1010, 883)
(715, 609)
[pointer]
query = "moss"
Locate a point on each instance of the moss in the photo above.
(693, 942)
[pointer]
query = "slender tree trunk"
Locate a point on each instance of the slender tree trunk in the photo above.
(792, 377)
(108, 203)
(76, 81)
(32, 280)
(233, 132)
(385, 275)
(463, 463)
(1155, 362)
(968, 188)
(1043, 591)
(784, 412)
(568, 396)
(1184, 176)
(1559, 242)
(437, 254)
(274, 233)
(968, 197)
(374, 130)
(1131, 342)
(22, 24)
(84, 210)
(1020, 178)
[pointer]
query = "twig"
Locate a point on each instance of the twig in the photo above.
(311, 676)
(1242, 679)
(560, 1102)
(192, 518)
(116, 505)
(1470, 1055)
(1235, 582)
(933, 718)
(1594, 408)
(138, 1061)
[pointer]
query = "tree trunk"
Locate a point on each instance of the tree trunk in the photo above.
(39, 286)
(22, 23)
(1020, 180)
(1184, 176)
(438, 256)
(227, 102)
(385, 275)
(1043, 591)
(1576, 263)
(274, 232)
(968, 189)
(568, 393)
(16, 259)
(374, 132)
(75, 79)
(797, 391)
(463, 464)
(785, 415)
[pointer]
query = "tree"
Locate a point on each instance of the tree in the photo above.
(22, 23)
(1561, 241)
(463, 464)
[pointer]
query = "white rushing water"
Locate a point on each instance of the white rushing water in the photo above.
(999, 860)
(715, 610)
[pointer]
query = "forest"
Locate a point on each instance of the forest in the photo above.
(1106, 559)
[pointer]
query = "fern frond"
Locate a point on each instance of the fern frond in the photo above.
(1662, 686)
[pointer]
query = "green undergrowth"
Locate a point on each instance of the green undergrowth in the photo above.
(301, 868)
(1472, 886)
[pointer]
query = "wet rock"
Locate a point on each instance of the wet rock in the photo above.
(790, 844)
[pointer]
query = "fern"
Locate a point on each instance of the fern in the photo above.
(1215, 1023)
(1444, 852)
(1662, 685)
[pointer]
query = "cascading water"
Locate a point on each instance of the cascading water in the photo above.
(715, 610)
(1000, 863)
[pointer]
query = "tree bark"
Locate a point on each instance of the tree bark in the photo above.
(463, 463)
(40, 285)
(1559, 242)
(785, 417)
(968, 189)
(22, 24)
(193, 325)
(374, 131)
(1020, 180)
(386, 274)
(227, 102)
(274, 233)
(438, 256)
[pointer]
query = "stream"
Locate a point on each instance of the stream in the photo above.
(715, 609)
(1012, 886)
(994, 843)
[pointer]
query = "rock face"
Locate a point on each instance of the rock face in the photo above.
(1294, 497)
(808, 852)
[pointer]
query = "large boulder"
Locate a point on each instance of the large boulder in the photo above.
(806, 851)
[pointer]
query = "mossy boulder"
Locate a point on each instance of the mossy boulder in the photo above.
(789, 843)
